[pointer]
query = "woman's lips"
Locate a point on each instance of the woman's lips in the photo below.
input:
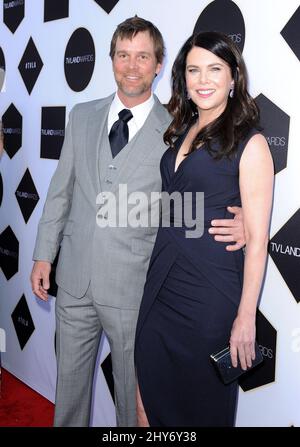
(205, 93)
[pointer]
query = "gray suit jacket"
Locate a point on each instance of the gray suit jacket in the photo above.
(114, 260)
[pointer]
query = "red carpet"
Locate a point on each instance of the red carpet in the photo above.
(20, 406)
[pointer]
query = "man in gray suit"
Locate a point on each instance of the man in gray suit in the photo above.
(102, 269)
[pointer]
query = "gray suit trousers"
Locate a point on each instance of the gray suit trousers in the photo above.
(80, 323)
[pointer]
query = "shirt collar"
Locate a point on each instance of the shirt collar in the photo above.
(139, 112)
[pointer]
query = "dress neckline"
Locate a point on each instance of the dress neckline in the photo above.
(178, 144)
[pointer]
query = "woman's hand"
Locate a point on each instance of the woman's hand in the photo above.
(242, 341)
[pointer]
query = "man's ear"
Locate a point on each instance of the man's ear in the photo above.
(158, 68)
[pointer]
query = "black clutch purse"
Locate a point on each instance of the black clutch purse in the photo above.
(227, 372)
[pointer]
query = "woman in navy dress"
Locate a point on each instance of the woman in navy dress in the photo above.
(198, 296)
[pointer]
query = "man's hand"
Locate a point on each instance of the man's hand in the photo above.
(40, 279)
(230, 230)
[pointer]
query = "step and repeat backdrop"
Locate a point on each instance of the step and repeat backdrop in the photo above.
(53, 54)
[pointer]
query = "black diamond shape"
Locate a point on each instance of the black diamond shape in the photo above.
(13, 13)
(264, 373)
(107, 5)
(53, 131)
(55, 9)
(27, 195)
(291, 34)
(22, 322)
(275, 123)
(106, 366)
(2, 68)
(9, 253)
(223, 16)
(285, 252)
(1, 189)
(30, 65)
(12, 130)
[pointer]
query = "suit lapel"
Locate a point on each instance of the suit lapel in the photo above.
(97, 121)
(143, 143)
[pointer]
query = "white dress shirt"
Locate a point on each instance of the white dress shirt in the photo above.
(140, 114)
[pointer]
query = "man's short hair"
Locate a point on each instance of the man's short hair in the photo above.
(134, 25)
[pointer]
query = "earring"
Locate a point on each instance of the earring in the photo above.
(231, 92)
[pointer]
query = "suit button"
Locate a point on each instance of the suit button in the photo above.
(111, 167)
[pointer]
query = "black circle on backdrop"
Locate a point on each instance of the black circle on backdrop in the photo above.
(223, 16)
(79, 59)
(2, 68)
(2, 59)
(1, 189)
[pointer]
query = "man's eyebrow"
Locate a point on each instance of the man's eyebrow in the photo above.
(139, 52)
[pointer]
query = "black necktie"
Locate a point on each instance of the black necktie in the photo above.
(118, 135)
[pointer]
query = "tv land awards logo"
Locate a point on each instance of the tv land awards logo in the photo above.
(264, 373)
(284, 249)
(23, 322)
(30, 65)
(290, 33)
(55, 9)
(9, 253)
(27, 195)
(107, 5)
(12, 130)
(223, 16)
(52, 131)
(275, 123)
(79, 59)
(13, 13)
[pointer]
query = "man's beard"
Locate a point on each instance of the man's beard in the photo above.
(133, 91)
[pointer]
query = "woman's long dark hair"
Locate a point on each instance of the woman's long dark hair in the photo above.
(241, 113)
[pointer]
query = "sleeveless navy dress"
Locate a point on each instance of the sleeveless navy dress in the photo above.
(191, 297)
